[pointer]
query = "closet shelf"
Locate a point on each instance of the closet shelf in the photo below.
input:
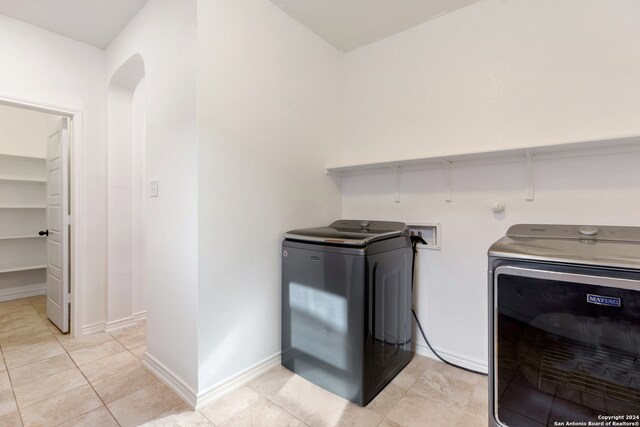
(23, 268)
(23, 207)
(16, 156)
(22, 180)
(557, 151)
(22, 237)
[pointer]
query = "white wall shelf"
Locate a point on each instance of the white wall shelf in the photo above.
(22, 237)
(23, 207)
(23, 268)
(18, 157)
(19, 180)
(526, 155)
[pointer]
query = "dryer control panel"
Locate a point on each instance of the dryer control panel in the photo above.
(578, 232)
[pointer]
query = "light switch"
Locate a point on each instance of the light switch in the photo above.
(153, 188)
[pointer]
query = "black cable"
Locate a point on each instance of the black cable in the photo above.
(414, 242)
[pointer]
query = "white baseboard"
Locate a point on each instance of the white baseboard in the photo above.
(458, 359)
(236, 381)
(92, 328)
(120, 324)
(198, 400)
(174, 382)
(141, 315)
(23, 291)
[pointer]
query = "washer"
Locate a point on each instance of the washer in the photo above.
(564, 326)
(346, 305)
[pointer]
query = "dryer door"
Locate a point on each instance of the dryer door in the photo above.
(567, 346)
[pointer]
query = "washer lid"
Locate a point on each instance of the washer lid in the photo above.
(604, 246)
(348, 232)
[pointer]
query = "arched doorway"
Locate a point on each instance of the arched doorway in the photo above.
(126, 284)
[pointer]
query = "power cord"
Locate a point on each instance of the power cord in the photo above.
(415, 239)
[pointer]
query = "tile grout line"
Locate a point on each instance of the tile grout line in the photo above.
(89, 382)
(15, 397)
(304, 421)
(293, 415)
(275, 403)
(81, 373)
(4, 361)
(33, 361)
(131, 392)
(460, 409)
(119, 342)
(405, 391)
(95, 391)
(91, 346)
(92, 388)
(13, 392)
(206, 418)
(130, 351)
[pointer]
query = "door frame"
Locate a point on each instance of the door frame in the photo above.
(77, 259)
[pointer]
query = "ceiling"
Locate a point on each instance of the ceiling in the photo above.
(346, 24)
(349, 24)
(95, 22)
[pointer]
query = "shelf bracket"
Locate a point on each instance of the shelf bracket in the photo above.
(449, 169)
(530, 190)
(397, 184)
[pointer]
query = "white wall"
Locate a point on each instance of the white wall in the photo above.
(22, 132)
(119, 204)
(41, 66)
(164, 34)
(497, 74)
(268, 121)
(139, 281)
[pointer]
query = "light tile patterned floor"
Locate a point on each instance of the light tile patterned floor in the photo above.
(49, 379)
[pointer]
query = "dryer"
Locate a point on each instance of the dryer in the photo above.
(564, 326)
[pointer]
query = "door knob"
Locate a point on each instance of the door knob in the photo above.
(43, 233)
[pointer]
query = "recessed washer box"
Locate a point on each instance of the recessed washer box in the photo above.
(430, 232)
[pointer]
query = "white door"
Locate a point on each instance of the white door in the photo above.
(58, 226)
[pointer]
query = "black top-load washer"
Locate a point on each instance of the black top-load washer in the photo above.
(346, 305)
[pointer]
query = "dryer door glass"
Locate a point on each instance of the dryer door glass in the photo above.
(568, 348)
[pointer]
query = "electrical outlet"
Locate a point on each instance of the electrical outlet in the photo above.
(430, 233)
